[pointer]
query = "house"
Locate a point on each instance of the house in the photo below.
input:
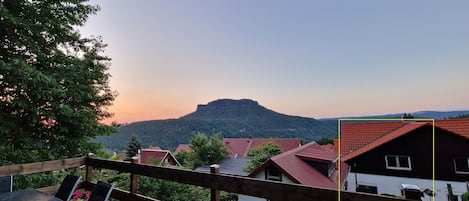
(308, 165)
(156, 156)
(241, 147)
(386, 157)
(182, 147)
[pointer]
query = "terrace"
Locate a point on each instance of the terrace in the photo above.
(216, 182)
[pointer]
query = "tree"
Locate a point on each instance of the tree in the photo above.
(133, 147)
(207, 151)
(53, 82)
(325, 140)
(261, 154)
(465, 196)
(184, 158)
(461, 116)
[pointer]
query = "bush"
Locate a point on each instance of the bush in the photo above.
(465, 196)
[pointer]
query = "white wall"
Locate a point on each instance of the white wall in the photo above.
(392, 185)
(261, 176)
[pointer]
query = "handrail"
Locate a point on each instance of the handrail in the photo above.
(30, 168)
(235, 184)
(242, 185)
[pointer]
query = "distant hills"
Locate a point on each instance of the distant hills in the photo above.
(236, 118)
(233, 118)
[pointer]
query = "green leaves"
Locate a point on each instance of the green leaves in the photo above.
(133, 147)
(205, 151)
(261, 154)
(53, 82)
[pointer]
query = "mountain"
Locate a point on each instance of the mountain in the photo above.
(233, 118)
(419, 114)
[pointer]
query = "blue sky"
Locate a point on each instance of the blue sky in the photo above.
(307, 58)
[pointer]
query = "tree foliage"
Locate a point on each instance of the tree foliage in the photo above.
(261, 154)
(133, 147)
(207, 151)
(465, 196)
(462, 116)
(325, 140)
(53, 82)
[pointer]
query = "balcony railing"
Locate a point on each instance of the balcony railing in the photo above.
(275, 191)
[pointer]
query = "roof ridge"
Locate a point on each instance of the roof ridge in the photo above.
(295, 150)
(248, 148)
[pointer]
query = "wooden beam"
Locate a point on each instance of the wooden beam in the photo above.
(30, 168)
(242, 185)
(214, 194)
(51, 190)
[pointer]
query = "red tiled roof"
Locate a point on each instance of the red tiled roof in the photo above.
(147, 155)
(328, 147)
(242, 146)
(316, 153)
(238, 146)
(284, 143)
(456, 126)
(293, 164)
(357, 135)
(359, 138)
(181, 147)
(406, 128)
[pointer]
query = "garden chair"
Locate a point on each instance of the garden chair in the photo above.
(68, 186)
(101, 192)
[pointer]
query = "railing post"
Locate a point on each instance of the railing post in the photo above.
(214, 194)
(89, 170)
(134, 177)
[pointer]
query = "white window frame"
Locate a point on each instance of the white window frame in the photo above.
(273, 177)
(398, 166)
(456, 170)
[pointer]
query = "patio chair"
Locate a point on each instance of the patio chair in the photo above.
(101, 191)
(6, 184)
(68, 186)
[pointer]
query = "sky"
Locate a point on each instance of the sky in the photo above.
(305, 58)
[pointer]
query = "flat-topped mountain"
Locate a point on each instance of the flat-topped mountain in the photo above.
(233, 118)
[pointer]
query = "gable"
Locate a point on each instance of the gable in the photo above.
(359, 138)
(295, 165)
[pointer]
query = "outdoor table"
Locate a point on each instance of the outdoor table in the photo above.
(27, 195)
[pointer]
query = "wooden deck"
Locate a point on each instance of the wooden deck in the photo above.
(248, 186)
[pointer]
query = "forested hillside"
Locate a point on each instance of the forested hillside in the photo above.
(233, 118)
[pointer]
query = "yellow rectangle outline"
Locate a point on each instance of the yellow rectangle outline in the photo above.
(385, 119)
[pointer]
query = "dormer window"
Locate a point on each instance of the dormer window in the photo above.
(273, 174)
(461, 165)
(394, 162)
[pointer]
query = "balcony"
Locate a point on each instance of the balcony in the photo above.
(274, 191)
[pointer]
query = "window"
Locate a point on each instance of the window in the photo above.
(398, 162)
(367, 189)
(273, 174)
(461, 165)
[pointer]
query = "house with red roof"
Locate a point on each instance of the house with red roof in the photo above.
(241, 147)
(308, 165)
(182, 147)
(387, 156)
(156, 156)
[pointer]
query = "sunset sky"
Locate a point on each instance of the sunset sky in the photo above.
(306, 58)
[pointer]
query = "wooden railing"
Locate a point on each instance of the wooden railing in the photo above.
(248, 186)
